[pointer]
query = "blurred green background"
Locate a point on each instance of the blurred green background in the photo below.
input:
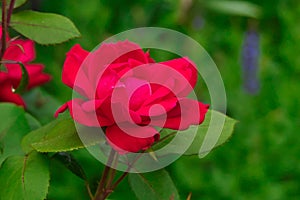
(261, 160)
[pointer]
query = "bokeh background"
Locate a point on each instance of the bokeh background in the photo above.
(256, 48)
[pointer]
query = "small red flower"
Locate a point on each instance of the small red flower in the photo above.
(19, 50)
(126, 92)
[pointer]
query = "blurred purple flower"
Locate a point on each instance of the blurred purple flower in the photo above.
(250, 59)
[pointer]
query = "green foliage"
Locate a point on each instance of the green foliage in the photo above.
(44, 28)
(202, 137)
(18, 3)
(41, 104)
(59, 135)
(202, 142)
(154, 185)
(25, 177)
(70, 163)
(11, 113)
(241, 8)
(259, 162)
(24, 81)
(12, 131)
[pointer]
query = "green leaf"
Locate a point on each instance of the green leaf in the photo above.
(18, 3)
(166, 136)
(70, 163)
(24, 80)
(32, 122)
(59, 135)
(44, 28)
(154, 185)
(24, 177)
(12, 131)
(213, 140)
(241, 8)
(41, 104)
(203, 138)
(9, 112)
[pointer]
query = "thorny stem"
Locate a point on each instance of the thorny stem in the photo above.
(103, 187)
(125, 173)
(4, 29)
(106, 185)
(10, 10)
(6, 15)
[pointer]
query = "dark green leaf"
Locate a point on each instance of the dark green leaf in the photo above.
(156, 185)
(24, 177)
(69, 162)
(44, 28)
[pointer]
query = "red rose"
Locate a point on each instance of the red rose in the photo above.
(20, 51)
(125, 91)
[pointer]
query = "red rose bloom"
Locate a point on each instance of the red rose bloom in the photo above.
(129, 94)
(19, 51)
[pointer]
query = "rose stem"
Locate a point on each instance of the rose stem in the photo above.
(125, 173)
(10, 10)
(102, 190)
(4, 29)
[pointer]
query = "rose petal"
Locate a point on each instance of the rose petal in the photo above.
(7, 94)
(114, 53)
(124, 143)
(187, 112)
(20, 50)
(79, 114)
(35, 74)
(72, 64)
(188, 69)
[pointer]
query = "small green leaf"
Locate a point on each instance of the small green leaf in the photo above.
(24, 80)
(24, 177)
(59, 135)
(18, 3)
(241, 8)
(70, 163)
(156, 185)
(213, 140)
(44, 28)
